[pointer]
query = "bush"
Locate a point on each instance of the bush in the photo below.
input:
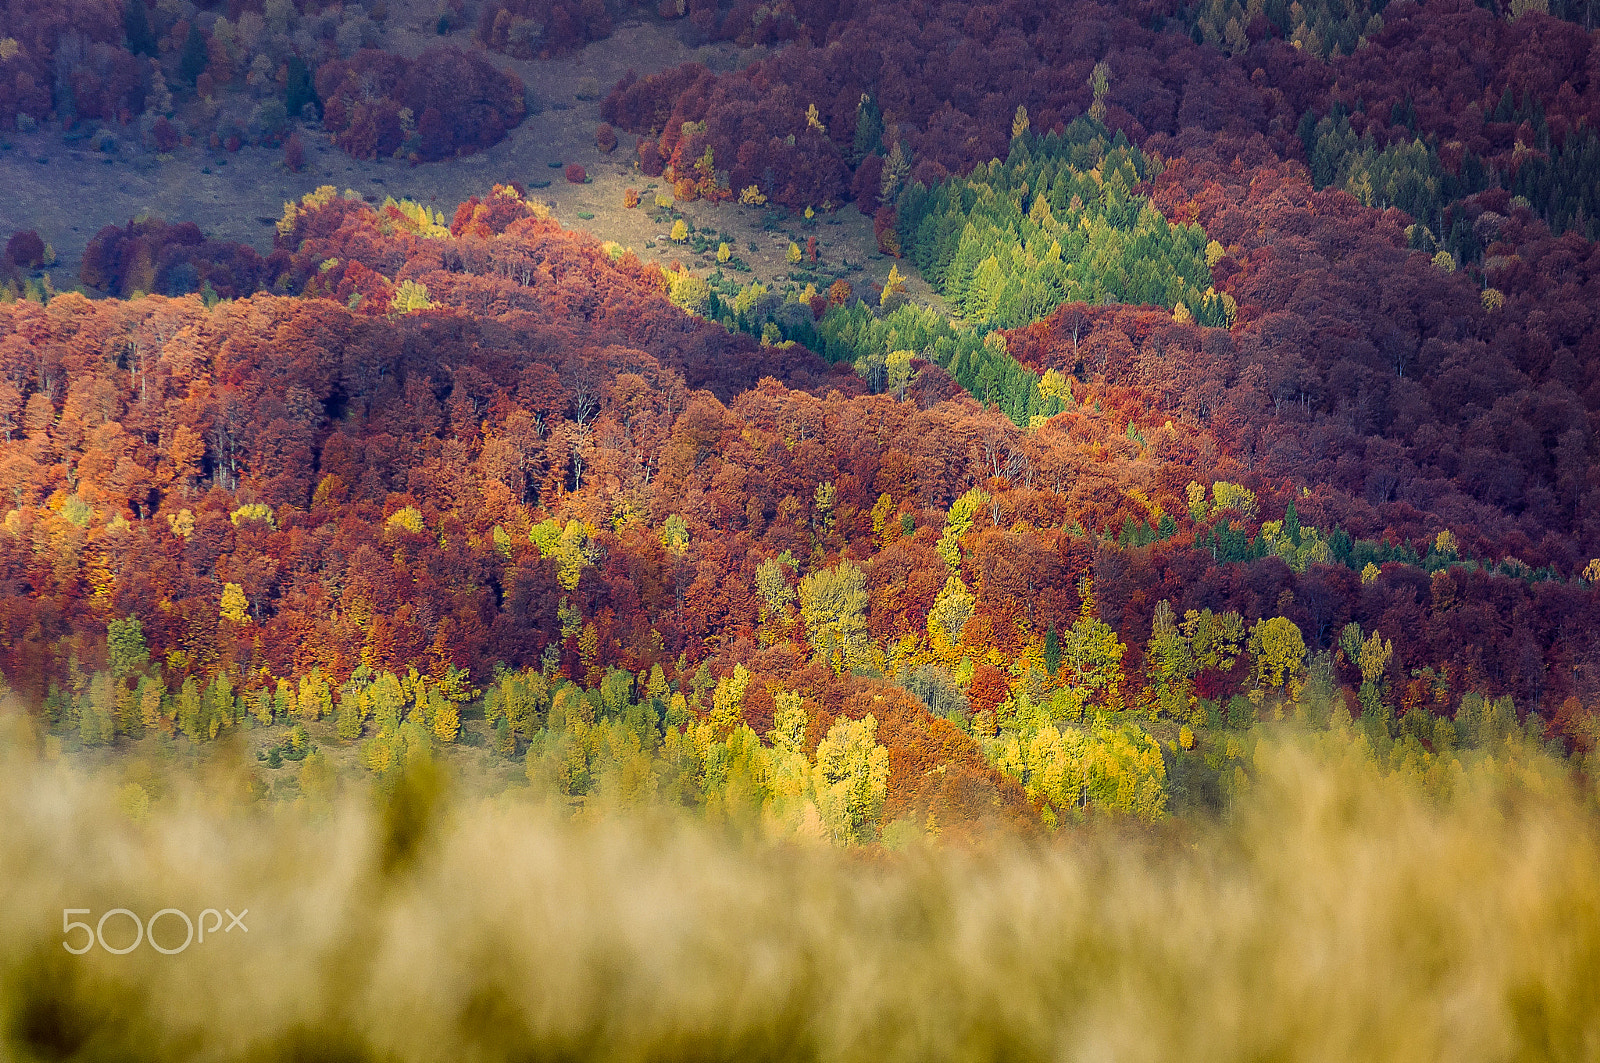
(26, 249)
(576, 174)
(605, 138)
(294, 153)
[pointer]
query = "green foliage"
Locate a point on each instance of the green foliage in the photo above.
(1108, 768)
(126, 652)
(1057, 222)
(975, 356)
(1560, 182)
(869, 130)
(1091, 652)
(1279, 651)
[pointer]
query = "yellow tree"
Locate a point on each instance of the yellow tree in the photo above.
(950, 612)
(790, 804)
(1279, 652)
(898, 364)
(234, 605)
(894, 286)
(957, 523)
(851, 781)
(833, 605)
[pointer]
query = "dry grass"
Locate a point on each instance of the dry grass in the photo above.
(1339, 916)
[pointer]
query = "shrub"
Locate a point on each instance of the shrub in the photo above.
(26, 249)
(576, 174)
(294, 153)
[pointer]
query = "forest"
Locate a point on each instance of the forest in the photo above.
(1256, 387)
(1116, 576)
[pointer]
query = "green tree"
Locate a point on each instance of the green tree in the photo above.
(869, 130)
(1092, 652)
(136, 27)
(1169, 665)
(126, 652)
(192, 58)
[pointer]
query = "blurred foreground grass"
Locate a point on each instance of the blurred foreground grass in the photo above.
(1338, 914)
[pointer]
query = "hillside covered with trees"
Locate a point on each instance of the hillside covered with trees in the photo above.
(1260, 388)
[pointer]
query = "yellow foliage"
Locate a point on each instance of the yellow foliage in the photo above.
(446, 722)
(1374, 657)
(895, 285)
(235, 607)
(181, 523)
(833, 605)
(1056, 384)
(1019, 122)
(852, 778)
(408, 296)
(406, 519)
(751, 196)
(254, 511)
(308, 202)
(688, 292)
(1279, 651)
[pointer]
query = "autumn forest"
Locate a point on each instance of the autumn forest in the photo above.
(1235, 376)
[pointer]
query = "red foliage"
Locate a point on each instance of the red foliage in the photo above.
(164, 135)
(575, 174)
(650, 160)
(988, 689)
(883, 228)
(294, 153)
(153, 257)
(26, 249)
(528, 29)
(461, 104)
(605, 138)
